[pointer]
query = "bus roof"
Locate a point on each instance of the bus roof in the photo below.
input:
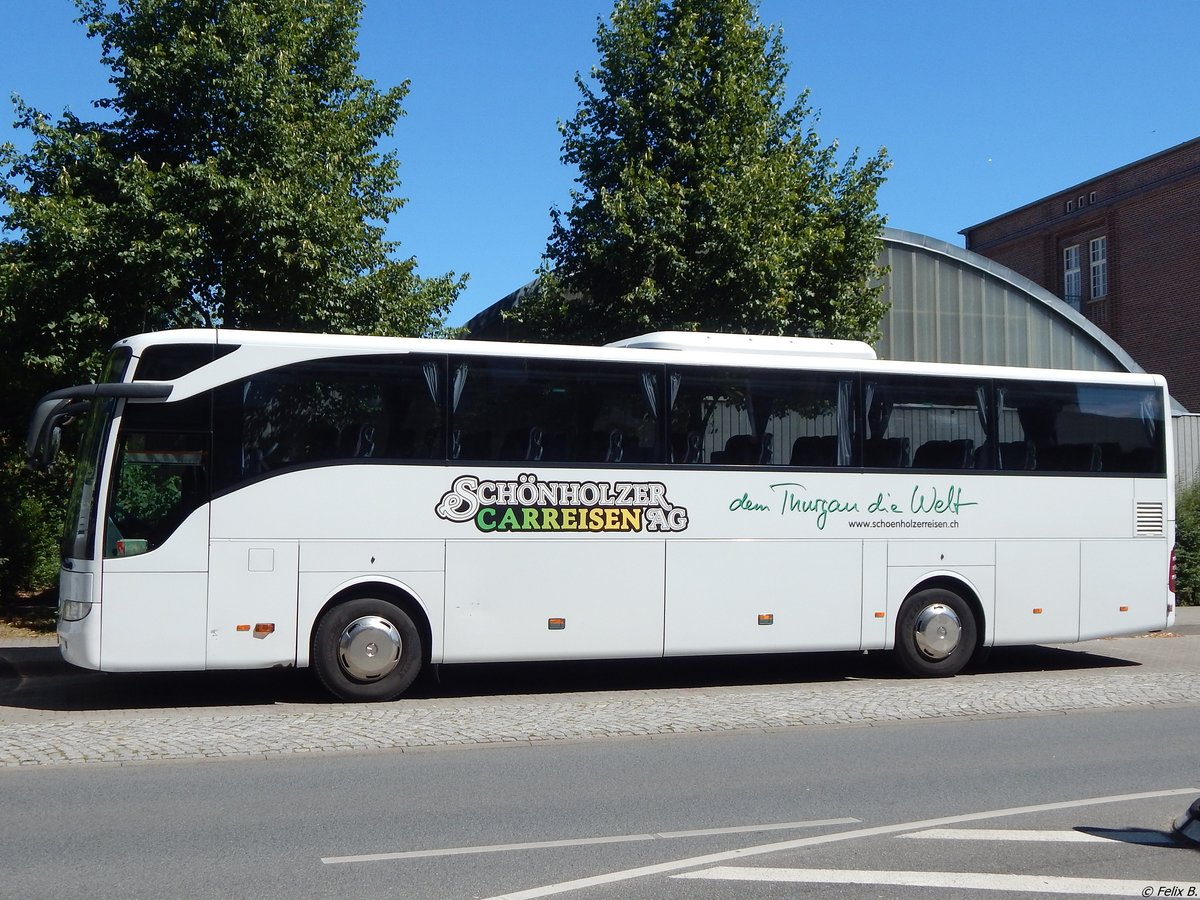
(756, 351)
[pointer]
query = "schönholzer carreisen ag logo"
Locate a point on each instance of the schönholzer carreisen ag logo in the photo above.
(528, 504)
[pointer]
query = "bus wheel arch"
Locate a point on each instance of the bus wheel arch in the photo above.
(939, 629)
(370, 642)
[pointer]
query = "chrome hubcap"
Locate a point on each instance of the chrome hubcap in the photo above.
(369, 648)
(937, 631)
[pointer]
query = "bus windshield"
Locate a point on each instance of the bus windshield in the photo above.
(81, 512)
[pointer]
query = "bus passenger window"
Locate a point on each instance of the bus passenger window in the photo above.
(332, 411)
(935, 424)
(761, 417)
(559, 411)
(1070, 428)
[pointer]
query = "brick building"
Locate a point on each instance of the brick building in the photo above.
(1123, 249)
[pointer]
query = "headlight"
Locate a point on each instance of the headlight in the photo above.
(73, 610)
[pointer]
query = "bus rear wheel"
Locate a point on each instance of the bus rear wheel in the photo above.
(935, 633)
(366, 649)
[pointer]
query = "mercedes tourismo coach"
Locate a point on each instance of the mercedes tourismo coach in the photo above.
(367, 506)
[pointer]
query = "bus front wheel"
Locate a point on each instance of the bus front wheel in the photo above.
(935, 633)
(366, 649)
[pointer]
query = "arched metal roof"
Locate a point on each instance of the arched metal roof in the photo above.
(947, 304)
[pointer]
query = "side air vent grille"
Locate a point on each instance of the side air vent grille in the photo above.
(1149, 518)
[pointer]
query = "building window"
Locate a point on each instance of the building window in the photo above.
(1072, 276)
(1098, 251)
(1070, 205)
(1091, 198)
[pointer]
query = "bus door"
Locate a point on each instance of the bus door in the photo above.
(154, 589)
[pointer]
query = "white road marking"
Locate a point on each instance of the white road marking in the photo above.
(584, 842)
(1130, 835)
(747, 829)
(486, 848)
(984, 881)
(564, 887)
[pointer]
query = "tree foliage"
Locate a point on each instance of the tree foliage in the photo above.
(1187, 545)
(234, 177)
(705, 201)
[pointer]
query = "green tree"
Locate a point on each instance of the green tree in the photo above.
(705, 201)
(234, 177)
(1187, 545)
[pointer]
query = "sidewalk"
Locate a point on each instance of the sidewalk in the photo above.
(1187, 620)
(51, 714)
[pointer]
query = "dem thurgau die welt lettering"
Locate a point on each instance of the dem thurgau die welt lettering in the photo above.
(793, 499)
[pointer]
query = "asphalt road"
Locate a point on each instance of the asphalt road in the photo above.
(688, 816)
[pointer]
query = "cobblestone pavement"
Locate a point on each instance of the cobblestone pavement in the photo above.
(1142, 672)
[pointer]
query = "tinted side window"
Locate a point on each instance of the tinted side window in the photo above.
(166, 362)
(926, 423)
(160, 478)
(161, 475)
(753, 417)
(192, 414)
(332, 410)
(1082, 427)
(507, 410)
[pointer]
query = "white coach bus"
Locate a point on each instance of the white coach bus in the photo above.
(367, 506)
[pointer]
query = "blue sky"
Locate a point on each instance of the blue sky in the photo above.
(982, 106)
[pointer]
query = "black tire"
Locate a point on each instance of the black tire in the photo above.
(925, 643)
(366, 649)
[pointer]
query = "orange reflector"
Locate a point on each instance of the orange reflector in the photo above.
(243, 628)
(556, 624)
(1037, 610)
(766, 619)
(881, 615)
(264, 628)
(1124, 609)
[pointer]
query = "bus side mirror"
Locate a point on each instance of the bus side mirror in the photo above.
(54, 409)
(50, 450)
(41, 453)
